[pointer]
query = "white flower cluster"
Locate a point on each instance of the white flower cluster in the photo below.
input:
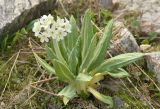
(46, 27)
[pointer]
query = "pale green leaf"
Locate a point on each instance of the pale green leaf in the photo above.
(50, 53)
(106, 99)
(69, 92)
(72, 37)
(83, 77)
(63, 49)
(63, 72)
(44, 64)
(58, 52)
(73, 58)
(118, 62)
(82, 82)
(77, 57)
(89, 54)
(86, 32)
(73, 61)
(96, 78)
(118, 73)
(100, 51)
(65, 100)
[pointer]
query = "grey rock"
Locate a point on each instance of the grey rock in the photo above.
(150, 13)
(118, 103)
(153, 63)
(108, 4)
(17, 13)
(123, 41)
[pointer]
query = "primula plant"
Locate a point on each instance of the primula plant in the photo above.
(78, 56)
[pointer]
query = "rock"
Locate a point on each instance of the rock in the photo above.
(145, 47)
(15, 14)
(2, 105)
(153, 63)
(123, 41)
(146, 26)
(150, 13)
(108, 4)
(118, 103)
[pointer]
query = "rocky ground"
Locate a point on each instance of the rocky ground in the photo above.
(149, 12)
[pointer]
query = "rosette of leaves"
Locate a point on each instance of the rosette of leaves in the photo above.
(79, 60)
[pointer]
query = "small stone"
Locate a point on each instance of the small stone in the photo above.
(2, 104)
(118, 103)
(108, 4)
(146, 26)
(153, 63)
(146, 16)
(144, 47)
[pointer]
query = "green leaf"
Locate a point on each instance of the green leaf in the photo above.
(50, 53)
(63, 49)
(82, 82)
(86, 32)
(100, 51)
(77, 52)
(31, 24)
(69, 92)
(63, 72)
(118, 62)
(73, 58)
(118, 73)
(96, 78)
(72, 37)
(89, 54)
(58, 52)
(4, 39)
(44, 64)
(23, 31)
(83, 77)
(50, 44)
(106, 99)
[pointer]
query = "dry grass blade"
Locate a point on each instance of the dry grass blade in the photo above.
(45, 80)
(147, 76)
(37, 88)
(10, 73)
(2, 66)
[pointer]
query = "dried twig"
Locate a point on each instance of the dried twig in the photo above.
(45, 80)
(44, 91)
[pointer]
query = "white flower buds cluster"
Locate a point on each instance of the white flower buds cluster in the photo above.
(46, 27)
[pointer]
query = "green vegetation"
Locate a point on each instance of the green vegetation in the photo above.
(79, 60)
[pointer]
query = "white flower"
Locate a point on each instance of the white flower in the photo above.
(67, 26)
(59, 34)
(60, 22)
(51, 30)
(46, 21)
(37, 28)
(44, 37)
(47, 27)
